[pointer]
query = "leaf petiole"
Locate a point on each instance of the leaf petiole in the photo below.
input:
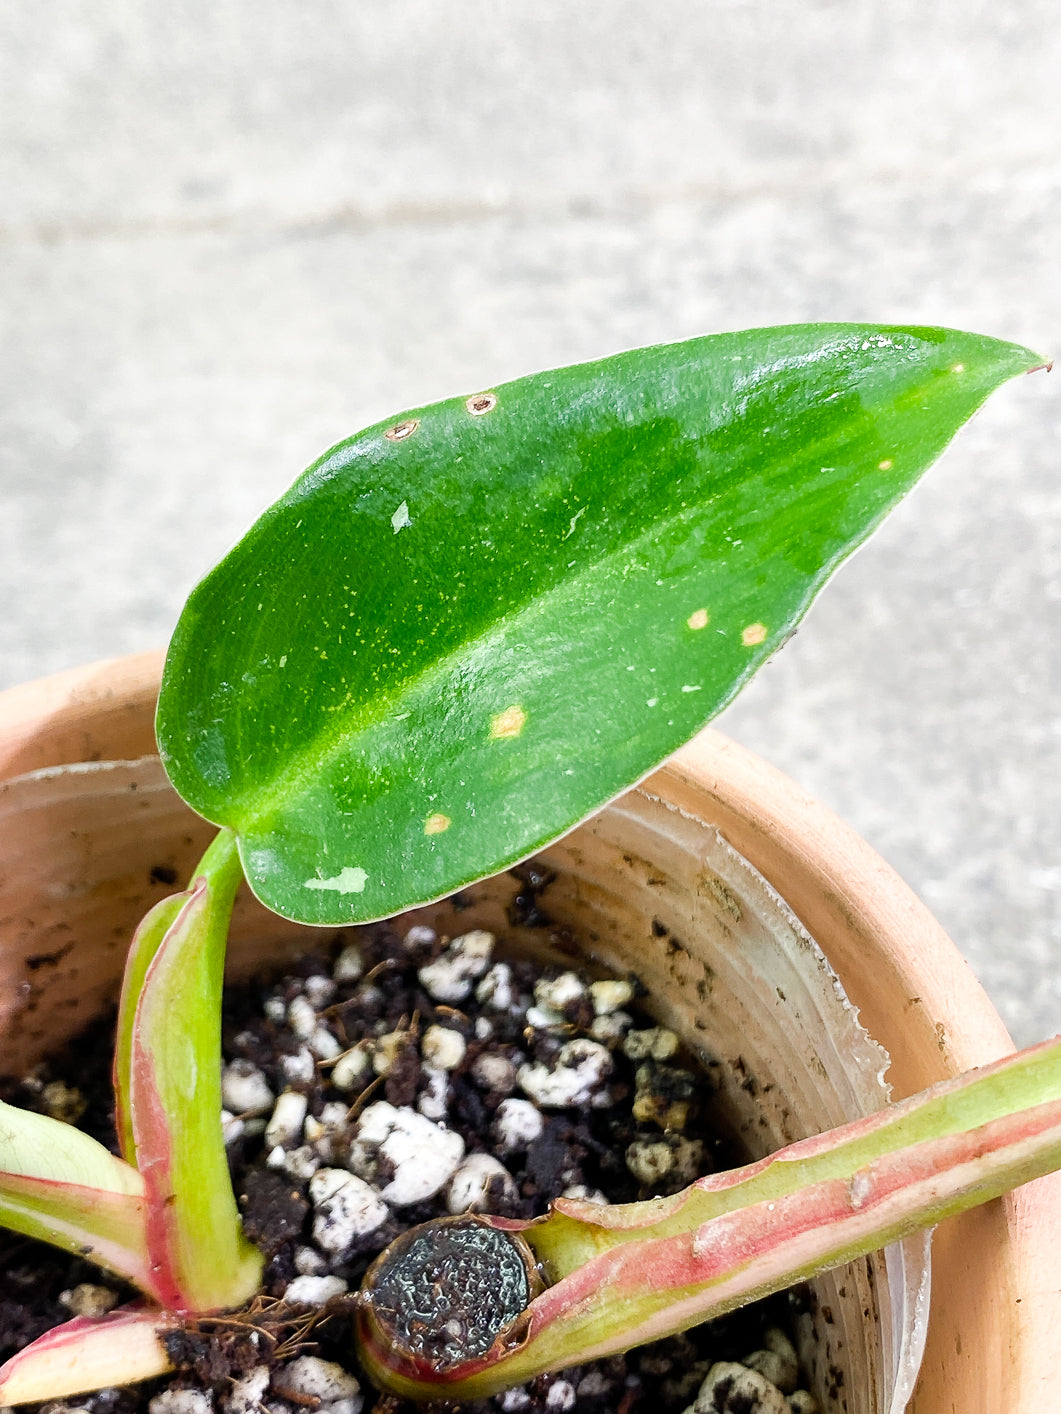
(626, 1274)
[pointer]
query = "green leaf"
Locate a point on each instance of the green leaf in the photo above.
(630, 1273)
(467, 628)
(172, 1069)
(62, 1186)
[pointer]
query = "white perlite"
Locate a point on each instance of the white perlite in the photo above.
(544, 1018)
(332, 1123)
(300, 1068)
(419, 936)
(337, 1390)
(314, 1290)
(442, 1047)
(349, 965)
(495, 990)
(561, 1397)
(517, 1123)
(673, 1160)
(424, 1155)
(247, 1393)
(469, 1189)
(610, 1027)
(181, 1401)
(580, 1071)
(584, 1194)
(776, 1361)
(452, 975)
(88, 1299)
(244, 1089)
(433, 1100)
(301, 1017)
(300, 1164)
(231, 1127)
(558, 992)
(319, 991)
(512, 1401)
(324, 1045)
(494, 1072)
(730, 1387)
(610, 995)
(346, 1208)
(309, 1262)
(656, 1043)
(352, 1069)
(285, 1123)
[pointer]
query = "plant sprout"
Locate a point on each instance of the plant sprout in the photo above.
(460, 633)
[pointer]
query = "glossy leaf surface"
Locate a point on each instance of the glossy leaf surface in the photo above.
(172, 1070)
(630, 1273)
(467, 628)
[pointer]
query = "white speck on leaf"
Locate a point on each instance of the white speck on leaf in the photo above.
(283, 661)
(686, 687)
(652, 701)
(351, 880)
(401, 518)
(574, 522)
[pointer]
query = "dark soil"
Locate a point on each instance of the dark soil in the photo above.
(649, 1098)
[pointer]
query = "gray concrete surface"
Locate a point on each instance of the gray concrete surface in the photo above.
(231, 234)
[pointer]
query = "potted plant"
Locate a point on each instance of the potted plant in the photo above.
(793, 415)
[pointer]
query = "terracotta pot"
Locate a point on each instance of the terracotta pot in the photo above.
(84, 852)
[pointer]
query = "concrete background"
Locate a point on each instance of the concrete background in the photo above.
(231, 234)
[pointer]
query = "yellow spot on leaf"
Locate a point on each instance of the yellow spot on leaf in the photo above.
(957, 368)
(753, 634)
(698, 619)
(437, 824)
(885, 465)
(508, 723)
